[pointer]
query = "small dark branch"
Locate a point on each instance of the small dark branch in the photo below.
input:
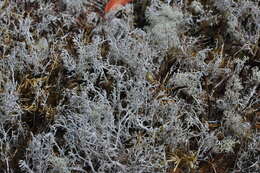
(208, 96)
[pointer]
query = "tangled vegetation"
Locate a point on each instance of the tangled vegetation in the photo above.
(155, 86)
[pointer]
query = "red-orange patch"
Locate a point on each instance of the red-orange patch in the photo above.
(114, 4)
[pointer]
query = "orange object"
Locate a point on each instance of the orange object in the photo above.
(114, 4)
